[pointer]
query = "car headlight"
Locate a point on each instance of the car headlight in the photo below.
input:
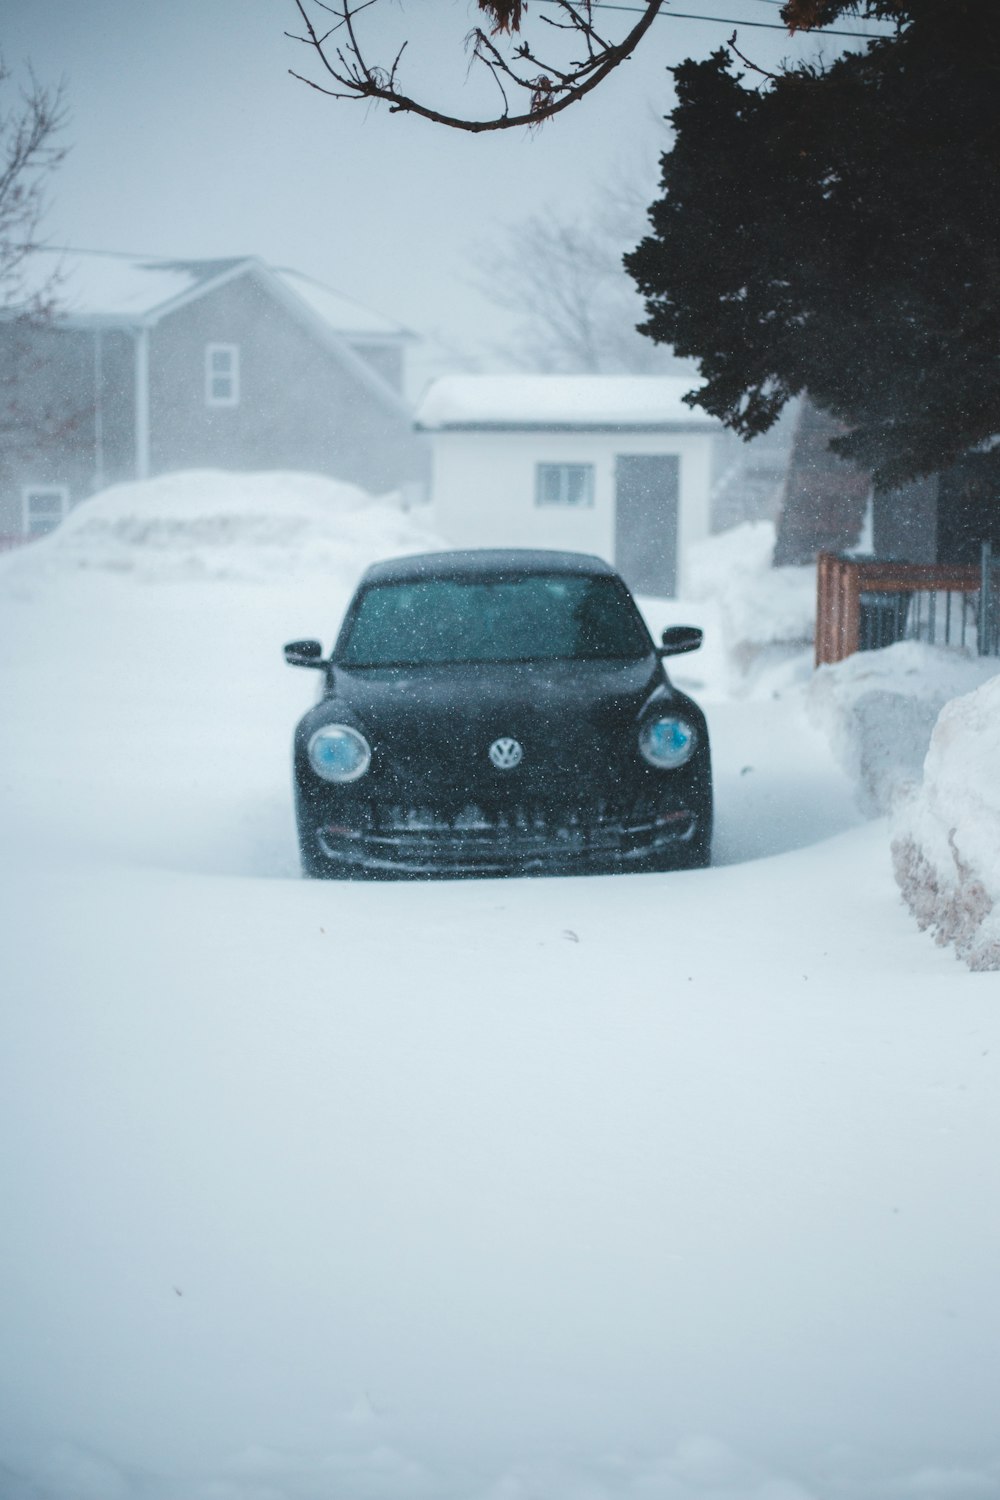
(667, 742)
(339, 753)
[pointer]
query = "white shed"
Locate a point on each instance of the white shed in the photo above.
(612, 464)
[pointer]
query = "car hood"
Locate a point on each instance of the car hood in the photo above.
(571, 718)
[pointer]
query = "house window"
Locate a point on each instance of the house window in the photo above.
(564, 484)
(43, 507)
(222, 374)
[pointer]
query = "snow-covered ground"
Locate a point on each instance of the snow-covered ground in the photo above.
(668, 1187)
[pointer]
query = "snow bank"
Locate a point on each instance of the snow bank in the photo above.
(946, 833)
(767, 613)
(212, 524)
(913, 710)
(878, 709)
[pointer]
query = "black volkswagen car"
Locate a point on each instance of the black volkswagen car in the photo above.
(490, 712)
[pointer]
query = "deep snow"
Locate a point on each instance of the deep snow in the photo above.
(878, 710)
(678, 1186)
(946, 831)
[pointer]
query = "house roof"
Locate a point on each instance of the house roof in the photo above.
(547, 402)
(96, 287)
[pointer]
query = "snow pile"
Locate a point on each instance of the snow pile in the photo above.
(878, 709)
(768, 613)
(210, 524)
(946, 834)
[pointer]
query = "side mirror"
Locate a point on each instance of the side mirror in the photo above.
(304, 654)
(680, 638)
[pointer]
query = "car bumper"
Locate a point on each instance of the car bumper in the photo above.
(477, 841)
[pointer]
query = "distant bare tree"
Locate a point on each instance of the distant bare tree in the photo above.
(32, 120)
(541, 86)
(563, 278)
(30, 151)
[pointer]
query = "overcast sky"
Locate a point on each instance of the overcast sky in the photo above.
(189, 138)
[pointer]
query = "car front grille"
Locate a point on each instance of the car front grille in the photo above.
(394, 835)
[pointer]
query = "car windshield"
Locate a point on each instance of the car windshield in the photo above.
(538, 617)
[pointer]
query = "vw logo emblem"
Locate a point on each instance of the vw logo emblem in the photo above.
(506, 753)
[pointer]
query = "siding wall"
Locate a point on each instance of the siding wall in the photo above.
(905, 524)
(299, 407)
(66, 412)
(483, 488)
(386, 360)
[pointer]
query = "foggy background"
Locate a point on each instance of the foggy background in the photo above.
(190, 139)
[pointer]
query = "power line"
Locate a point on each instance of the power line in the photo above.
(683, 15)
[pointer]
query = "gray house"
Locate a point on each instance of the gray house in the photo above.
(154, 365)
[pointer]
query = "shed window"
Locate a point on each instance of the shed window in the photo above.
(222, 374)
(44, 506)
(564, 484)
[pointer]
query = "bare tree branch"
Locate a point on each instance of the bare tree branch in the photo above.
(754, 68)
(34, 412)
(347, 72)
(30, 151)
(573, 308)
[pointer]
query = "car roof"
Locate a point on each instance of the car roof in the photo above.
(485, 562)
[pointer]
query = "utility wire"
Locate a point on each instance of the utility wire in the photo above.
(683, 15)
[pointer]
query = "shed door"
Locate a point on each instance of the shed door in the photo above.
(647, 490)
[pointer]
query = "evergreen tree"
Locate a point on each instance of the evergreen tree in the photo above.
(837, 230)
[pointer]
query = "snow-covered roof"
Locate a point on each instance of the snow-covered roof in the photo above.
(99, 286)
(342, 313)
(547, 401)
(91, 285)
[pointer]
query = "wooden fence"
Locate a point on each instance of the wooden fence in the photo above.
(861, 604)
